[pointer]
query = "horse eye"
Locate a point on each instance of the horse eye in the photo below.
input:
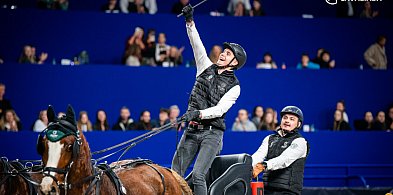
(69, 147)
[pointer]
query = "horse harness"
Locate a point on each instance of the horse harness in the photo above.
(15, 168)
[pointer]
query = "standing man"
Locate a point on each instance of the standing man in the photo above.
(282, 155)
(216, 89)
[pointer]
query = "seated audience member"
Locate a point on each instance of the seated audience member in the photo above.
(257, 9)
(366, 123)
(10, 121)
(125, 121)
(28, 56)
(111, 7)
(101, 123)
(243, 6)
(162, 49)
(163, 118)
(136, 39)
(138, 6)
(127, 6)
(379, 122)
(174, 113)
(178, 6)
(268, 122)
(375, 55)
(318, 58)
(84, 123)
(257, 115)
(42, 122)
(240, 10)
(326, 62)
(144, 121)
(242, 123)
(174, 58)
(341, 106)
(267, 62)
(149, 53)
(215, 53)
(389, 119)
(5, 104)
(132, 56)
(368, 11)
(339, 122)
(306, 63)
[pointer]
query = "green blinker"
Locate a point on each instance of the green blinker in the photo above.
(55, 135)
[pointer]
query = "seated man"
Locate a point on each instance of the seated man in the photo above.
(282, 155)
(242, 123)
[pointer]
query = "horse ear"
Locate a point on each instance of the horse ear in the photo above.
(70, 116)
(51, 114)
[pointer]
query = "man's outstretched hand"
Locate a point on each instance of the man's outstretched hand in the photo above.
(188, 12)
(191, 116)
(257, 169)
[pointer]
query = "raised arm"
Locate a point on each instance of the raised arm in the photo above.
(201, 59)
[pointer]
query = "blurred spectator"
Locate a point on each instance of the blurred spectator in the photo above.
(268, 122)
(339, 123)
(42, 122)
(125, 121)
(318, 58)
(174, 58)
(84, 123)
(178, 6)
(257, 115)
(60, 114)
(10, 121)
(267, 62)
(111, 7)
(341, 106)
(28, 56)
(132, 56)
(326, 62)
(174, 113)
(242, 123)
(306, 64)
(375, 55)
(162, 49)
(138, 6)
(257, 9)
(163, 118)
(1, 60)
(61, 5)
(136, 39)
(240, 10)
(368, 12)
(149, 6)
(101, 123)
(149, 53)
(144, 121)
(53, 4)
(379, 123)
(389, 119)
(366, 123)
(239, 6)
(215, 53)
(4, 103)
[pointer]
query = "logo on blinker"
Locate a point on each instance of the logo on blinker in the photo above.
(331, 2)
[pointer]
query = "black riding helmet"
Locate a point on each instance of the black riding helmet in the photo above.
(293, 110)
(239, 53)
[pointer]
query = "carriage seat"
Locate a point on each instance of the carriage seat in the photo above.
(229, 175)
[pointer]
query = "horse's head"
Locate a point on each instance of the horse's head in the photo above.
(59, 146)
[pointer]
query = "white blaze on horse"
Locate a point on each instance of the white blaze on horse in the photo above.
(68, 168)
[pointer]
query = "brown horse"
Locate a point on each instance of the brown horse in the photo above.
(16, 179)
(68, 169)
